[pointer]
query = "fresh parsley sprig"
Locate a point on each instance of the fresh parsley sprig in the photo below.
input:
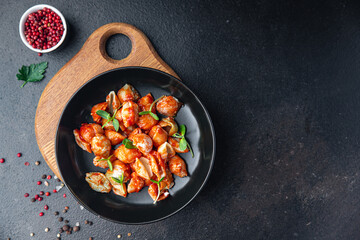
(128, 144)
(158, 184)
(108, 162)
(121, 181)
(150, 112)
(32, 73)
(109, 118)
(183, 144)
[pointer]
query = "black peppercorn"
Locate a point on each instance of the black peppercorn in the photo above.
(60, 219)
(76, 228)
(33, 200)
(43, 176)
(64, 211)
(56, 213)
(66, 221)
(66, 227)
(90, 223)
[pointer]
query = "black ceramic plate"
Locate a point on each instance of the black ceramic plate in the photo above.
(137, 208)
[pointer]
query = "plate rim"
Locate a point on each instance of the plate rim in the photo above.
(74, 195)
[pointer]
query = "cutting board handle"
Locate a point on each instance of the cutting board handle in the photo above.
(142, 53)
(89, 62)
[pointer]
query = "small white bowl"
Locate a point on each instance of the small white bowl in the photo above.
(22, 27)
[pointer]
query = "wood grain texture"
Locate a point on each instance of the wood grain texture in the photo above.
(89, 62)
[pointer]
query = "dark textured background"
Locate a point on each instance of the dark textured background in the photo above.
(280, 80)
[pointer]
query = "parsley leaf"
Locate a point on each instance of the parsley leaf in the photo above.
(32, 73)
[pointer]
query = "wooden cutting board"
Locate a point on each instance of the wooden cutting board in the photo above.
(89, 62)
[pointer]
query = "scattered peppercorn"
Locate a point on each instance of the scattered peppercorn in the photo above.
(37, 163)
(19, 154)
(68, 232)
(58, 180)
(49, 177)
(129, 234)
(41, 193)
(2, 160)
(26, 195)
(61, 230)
(58, 238)
(40, 199)
(66, 227)
(119, 236)
(90, 238)
(47, 194)
(58, 235)
(66, 208)
(76, 228)
(86, 222)
(47, 229)
(40, 54)
(56, 213)
(38, 182)
(36, 196)
(66, 221)
(41, 214)
(54, 191)
(60, 219)
(46, 207)
(43, 176)
(46, 183)
(26, 163)
(64, 211)
(64, 195)
(90, 223)
(32, 234)
(32, 199)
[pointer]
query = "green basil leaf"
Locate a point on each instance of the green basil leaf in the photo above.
(116, 179)
(116, 124)
(104, 159)
(191, 151)
(161, 179)
(177, 135)
(182, 129)
(128, 144)
(153, 181)
(154, 115)
(110, 164)
(144, 112)
(103, 114)
(183, 144)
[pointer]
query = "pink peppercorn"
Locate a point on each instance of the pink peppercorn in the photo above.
(36, 196)
(38, 182)
(40, 54)
(2, 160)
(64, 195)
(41, 214)
(47, 194)
(26, 195)
(49, 177)
(40, 199)
(26, 163)
(46, 207)
(54, 191)
(19, 154)
(41, 193)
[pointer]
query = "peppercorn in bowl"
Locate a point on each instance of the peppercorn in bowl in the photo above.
(42, 28)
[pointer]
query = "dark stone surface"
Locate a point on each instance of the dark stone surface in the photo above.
(281, 82)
